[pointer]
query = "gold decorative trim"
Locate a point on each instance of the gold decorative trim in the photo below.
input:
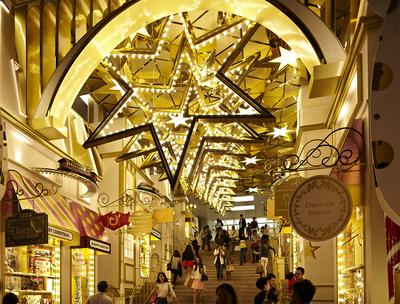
(364, 26)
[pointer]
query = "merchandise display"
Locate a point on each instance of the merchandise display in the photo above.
(33, 272)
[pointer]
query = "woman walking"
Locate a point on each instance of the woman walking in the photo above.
(188, 259)
(164, 289)
(176, 266)
(219, 261)
(198, 284)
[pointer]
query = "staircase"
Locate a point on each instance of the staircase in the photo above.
(243, 279)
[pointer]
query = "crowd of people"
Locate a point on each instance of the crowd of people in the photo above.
(300, 290)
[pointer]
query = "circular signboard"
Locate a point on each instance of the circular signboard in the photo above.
(320, 208)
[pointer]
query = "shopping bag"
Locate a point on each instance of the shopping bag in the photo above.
(153, 299)
(188, 281)
(170, 298)
(230, 268)
(259, 269)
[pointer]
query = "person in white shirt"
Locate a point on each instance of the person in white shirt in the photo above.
(164, 289)
(234, 236)
(219, 261)
(100, 297)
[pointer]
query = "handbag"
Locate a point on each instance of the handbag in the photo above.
(169, 266)
(259, 269)
(188, 281)
(204, 277)
(230, 268)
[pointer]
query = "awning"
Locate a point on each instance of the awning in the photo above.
(90, 227)
(61, 222)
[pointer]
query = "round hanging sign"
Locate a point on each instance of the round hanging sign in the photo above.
(320, 208)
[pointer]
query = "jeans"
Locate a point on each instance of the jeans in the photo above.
(220, 270)
(242, 255)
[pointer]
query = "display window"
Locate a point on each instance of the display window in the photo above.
(82, 274)
(144, 256)
(33, 272)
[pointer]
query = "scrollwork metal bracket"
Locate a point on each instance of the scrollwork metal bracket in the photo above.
(21, 194)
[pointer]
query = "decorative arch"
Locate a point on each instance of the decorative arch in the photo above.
(307, 36)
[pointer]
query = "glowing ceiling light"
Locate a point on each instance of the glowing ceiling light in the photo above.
(283, 132)
(178, 120)
(250, 160)
(286, 58)
(253, 190)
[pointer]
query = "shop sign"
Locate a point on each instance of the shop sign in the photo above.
(320, 208)
(99, 245)
(27, 228)
(60, 233)
(164, 215)
(3, 158)
(156, 234)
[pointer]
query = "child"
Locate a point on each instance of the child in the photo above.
(243, 249)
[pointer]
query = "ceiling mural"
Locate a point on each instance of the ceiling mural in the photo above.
(205, 99)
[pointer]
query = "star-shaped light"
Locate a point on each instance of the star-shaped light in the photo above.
(248, 111)
(253, 190)
(250, 160)
(283, 132)
(286, 58)
(178, 120)
(309, 250)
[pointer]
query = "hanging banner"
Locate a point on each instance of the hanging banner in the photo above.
(320, 208)
(142, 223)
(115, 220)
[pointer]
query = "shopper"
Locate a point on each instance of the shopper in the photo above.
(188, 259)
(242, 226)
(291, 281)
(195, 243)
(299, 274)
(234, 239)
(100, 297)
(254, 224)
(176, 266)
(219, 261)
(165, 291)
(266, 252)
(10, 298)
(255, 246)
(208, 237)
(243, 250)
(198, 285)
(268, 290)
(303, 292)
(226, 294)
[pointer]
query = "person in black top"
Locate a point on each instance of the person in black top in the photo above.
(188, 259)
(254, 224)
(302, 292)
(269, 292)
(242, 226)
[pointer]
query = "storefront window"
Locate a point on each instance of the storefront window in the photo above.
(82, 275)
(350, 260)
(128, 246)
(144, 255)
(33, 272)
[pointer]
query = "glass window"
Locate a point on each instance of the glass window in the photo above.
(128, 246)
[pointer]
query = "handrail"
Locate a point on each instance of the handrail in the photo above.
(151, 293)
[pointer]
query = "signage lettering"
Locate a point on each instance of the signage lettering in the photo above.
(99, 245)
(27, 228)
(60, 233)
(156, 233)
(320, 208)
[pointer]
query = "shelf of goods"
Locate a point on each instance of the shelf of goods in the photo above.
(33, 273)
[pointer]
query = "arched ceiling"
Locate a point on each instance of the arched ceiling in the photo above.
(202, 96)
(202, 93)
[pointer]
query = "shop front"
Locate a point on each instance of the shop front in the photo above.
(34, 236)
(83, 256)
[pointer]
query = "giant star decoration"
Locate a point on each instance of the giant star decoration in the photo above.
(250, 160)
(286, 58)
